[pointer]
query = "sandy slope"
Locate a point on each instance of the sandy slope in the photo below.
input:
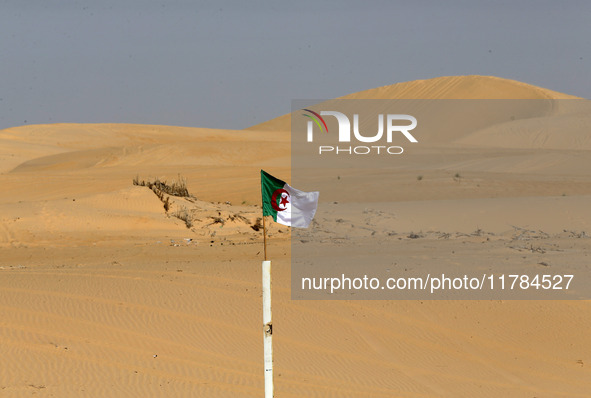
(105, 294)
(447, 87)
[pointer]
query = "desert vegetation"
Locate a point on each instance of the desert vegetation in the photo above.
(175, 188)
(164, 190)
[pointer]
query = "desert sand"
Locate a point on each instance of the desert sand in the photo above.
(105, 293)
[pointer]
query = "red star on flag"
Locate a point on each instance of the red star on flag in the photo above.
(284, 200)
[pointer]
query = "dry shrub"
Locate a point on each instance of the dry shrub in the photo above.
(175, 188)
(160, 188)
(184, 215)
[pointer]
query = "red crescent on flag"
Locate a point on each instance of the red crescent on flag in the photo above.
(274, 199)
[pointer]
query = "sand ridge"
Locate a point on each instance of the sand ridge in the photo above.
(446, 87)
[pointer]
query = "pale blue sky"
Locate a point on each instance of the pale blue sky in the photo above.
(232, 64)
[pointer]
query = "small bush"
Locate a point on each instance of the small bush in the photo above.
(176, 188)
(184, 215)
(160, 188)
(258, 225)
(419, 178)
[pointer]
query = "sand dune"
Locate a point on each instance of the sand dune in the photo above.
(566, 128)
(105, 293)
(460, 87)
(448, 87)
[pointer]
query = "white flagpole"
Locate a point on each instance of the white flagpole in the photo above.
(267, 329)
(267, 323)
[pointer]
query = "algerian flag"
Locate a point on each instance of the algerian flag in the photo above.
(287, 205)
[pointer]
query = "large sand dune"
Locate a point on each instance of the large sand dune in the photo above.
(448, 87)
(104, 293)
